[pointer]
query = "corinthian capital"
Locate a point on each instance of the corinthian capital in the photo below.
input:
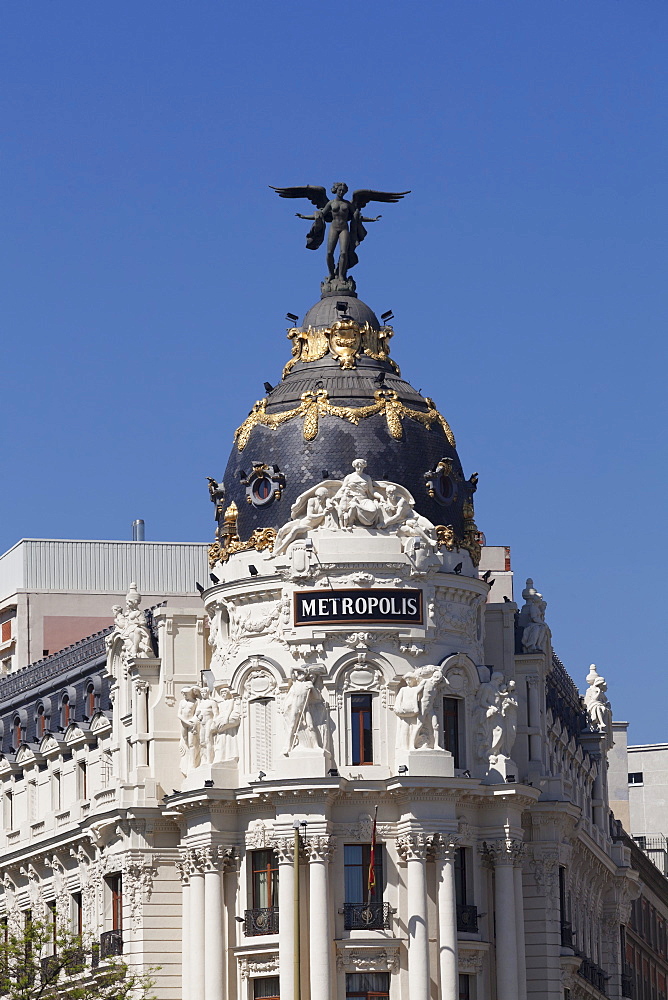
(444, 846)
(415, 847)
(319, 848)
(507, 851)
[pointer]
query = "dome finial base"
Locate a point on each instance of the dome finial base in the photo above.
(338, 286)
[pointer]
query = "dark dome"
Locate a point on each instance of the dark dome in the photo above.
(403, 439)
(324, 312)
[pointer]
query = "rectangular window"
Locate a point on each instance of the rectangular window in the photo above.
(6, 631)
(77, 914)
(9, 810)
(55, 791)
(460, 876)
(451, 728)
(82, 780)
(356, 859)
(465, 988)
(635, 778)
(265, 879)
(266, 989)
(368, 985)
(361, 731)
(53, 925)
(115, 889)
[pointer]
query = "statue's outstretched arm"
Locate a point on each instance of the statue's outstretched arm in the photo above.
(364, 218)
(309, 218)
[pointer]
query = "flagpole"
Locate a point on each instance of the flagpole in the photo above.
(371, 874)
(297, 957)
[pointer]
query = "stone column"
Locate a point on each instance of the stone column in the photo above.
(318, 852)
(140, 688)
(214, 986)
(501, 854)
(519, 927)
(183, 869)
(196, 961)
(413, 849)
(286, 938)
(445, 847)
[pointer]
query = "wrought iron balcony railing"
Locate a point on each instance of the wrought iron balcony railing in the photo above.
(111, 943)
(366, 916)
(262, 920)
(566, 934)
(627, 984)
(467, 919)
(594, 974)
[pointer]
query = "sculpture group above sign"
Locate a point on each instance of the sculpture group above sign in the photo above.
(343, 607)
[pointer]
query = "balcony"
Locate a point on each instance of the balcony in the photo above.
(111, 943)
(627, 983)
(262, 920)
(366, 916)
(594, 974)
(566, 935)
(467, 919)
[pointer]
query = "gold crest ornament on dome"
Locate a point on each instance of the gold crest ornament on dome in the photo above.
(345, 340)
(315, 404)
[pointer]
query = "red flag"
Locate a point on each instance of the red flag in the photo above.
(371, 880)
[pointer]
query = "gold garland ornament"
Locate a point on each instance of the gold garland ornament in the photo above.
(260, 538)
(315, 404)
(345, 340)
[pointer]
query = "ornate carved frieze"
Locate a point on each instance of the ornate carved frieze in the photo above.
(368, 959)
(258, 965)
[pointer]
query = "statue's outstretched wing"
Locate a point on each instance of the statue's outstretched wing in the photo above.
(362, 197)
(316, 195)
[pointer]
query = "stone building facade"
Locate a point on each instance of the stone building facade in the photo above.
(356, 768)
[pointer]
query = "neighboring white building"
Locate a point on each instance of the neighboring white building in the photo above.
(166, 781)
(54, 592)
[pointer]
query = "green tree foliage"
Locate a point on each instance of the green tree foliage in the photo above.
(46, 962)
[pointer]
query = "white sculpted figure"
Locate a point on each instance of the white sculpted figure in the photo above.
(536, 634)
(226, 725)
(596, 701)
(189, 746)
(488, 699)
(305, 712)
(396, 508)
(505, 724)
(407, 708)
(206, 713)
(429, 730)
(357, 501)
(419, 543)
(130, 625)
(316, 509)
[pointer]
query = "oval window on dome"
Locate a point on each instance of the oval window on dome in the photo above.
(261, 491)
(444, 488)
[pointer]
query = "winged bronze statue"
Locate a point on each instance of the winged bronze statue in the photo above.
(346, 222)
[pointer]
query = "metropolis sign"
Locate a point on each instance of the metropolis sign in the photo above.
(358, 607)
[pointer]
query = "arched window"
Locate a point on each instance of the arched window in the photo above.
(40, 723)
(65, 711)
(18, 735)
(90, 701)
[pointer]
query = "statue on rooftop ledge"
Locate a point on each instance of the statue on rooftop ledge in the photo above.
(346, 225)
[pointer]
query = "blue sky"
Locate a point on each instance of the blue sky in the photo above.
(146, 268)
